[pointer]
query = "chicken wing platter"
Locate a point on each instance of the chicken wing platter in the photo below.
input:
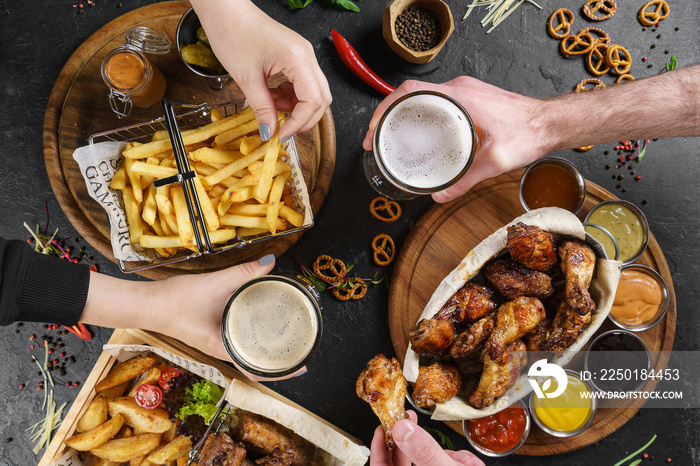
(533, 287)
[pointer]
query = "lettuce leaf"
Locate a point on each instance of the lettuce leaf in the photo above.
(201, 399)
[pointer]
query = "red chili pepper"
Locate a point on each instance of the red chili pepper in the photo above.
(353, 61)
(80, 331)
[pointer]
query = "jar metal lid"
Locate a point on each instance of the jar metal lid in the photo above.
(148, 40)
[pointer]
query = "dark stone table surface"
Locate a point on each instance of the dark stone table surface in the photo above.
(38, 38)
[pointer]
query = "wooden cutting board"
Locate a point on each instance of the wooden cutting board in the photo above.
(444, 235)
(78, 107)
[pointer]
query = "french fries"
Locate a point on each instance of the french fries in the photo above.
(239, 184)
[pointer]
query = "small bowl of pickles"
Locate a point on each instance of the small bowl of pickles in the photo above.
(196, 53)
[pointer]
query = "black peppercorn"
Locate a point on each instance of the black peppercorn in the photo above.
(653, 46)
(650, 65)
(658, 36)
(418, 29)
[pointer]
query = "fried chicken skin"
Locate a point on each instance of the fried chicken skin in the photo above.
(383, 386)
(514, 320)
(534, 340)
(436, 383)
(498, 377)
(432, 337)
(532, 246)
(262, 436)
(469, 304)
(467, 342)
(568, 325)
(513, 280)
(578, 265)
(221, 450)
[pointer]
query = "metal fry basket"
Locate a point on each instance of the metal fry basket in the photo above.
(191, 117)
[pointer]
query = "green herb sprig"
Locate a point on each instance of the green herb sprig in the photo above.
(347, 282)
(442, 438)
(629, 457)
(344, 4)
(671, 65)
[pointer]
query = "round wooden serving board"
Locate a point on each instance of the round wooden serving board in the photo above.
(447, 232)
(78, 107)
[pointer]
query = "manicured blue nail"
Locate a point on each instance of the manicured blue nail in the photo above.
(288, 138)
(266, 260)
(265, 134)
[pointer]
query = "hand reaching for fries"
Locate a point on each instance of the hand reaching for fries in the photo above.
(252, 47)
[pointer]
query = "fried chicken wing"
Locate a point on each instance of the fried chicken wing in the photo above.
(498, 377)
(514, 320)
(467, 342)
(512, 280)
(261, 435)
(534, 340)
(432, 337)
(383, 386)
(221, 450)
(436, 383)
(578, 264)
(532, 246)
(469, 304)
(568, 325)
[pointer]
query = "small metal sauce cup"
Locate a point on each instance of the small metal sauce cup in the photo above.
(570, 433)
(598, 246)
(588, 363)
(663, 307)
(187, 34)
(566, 165)
(496, 454)
(642, 220)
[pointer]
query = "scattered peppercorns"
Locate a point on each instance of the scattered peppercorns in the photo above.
(418, 29)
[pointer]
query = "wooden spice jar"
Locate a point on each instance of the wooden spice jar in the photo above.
(397, 7)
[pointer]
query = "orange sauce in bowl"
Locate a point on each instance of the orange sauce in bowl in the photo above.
(499, 432)
(638, 298)
(549, 185)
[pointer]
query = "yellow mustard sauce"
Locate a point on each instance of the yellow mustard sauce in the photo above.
(567, 412)
(637, 299)
(624, 224)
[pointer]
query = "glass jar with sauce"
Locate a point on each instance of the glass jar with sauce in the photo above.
(552, 182)
(641, 300)
(499, 434)
(626, 222)
(131, 77)
(568, 414)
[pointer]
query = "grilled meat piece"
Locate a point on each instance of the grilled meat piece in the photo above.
(578, 265)
(469, 304)
(221, 450)
(498, 377)
(277, 458)
(432, 337)
(512, 280)
(468, 341)
(514, 320)
(568, 325)
(532, 246)
(261, 435)
(538, 335)
(383, 386)
(436, 383)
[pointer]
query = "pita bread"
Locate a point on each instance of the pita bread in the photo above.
(558, 221)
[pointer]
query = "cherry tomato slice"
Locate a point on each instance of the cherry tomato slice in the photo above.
(166, 375)
(148, 396)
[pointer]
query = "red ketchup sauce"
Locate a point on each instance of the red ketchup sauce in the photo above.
(499, 432)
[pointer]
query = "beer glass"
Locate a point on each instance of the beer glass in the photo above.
(423, 143)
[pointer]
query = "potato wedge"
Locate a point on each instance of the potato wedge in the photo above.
(171, 451)
(124, 449)
(95, 437)
(115, 392)
(150, 377)
(144, 420)
(104, 462)
(95, 414)
(126, 371)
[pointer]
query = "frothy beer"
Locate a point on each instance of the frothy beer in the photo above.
(425, 141)
(271, 326)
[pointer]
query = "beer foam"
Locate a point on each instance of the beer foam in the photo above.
(425, 141)
(272, 325)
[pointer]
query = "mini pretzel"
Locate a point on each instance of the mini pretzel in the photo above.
(618, 58)
(564, 18)
(608, 8)
(602, 36)
(356, 289)
(583, 85)
(334, 266)
(624, 78)
(578, 44)
(651, 17)
(385, 210)
(595, 62)
(384, 249)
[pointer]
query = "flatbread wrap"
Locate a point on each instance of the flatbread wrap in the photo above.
(562, 225)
